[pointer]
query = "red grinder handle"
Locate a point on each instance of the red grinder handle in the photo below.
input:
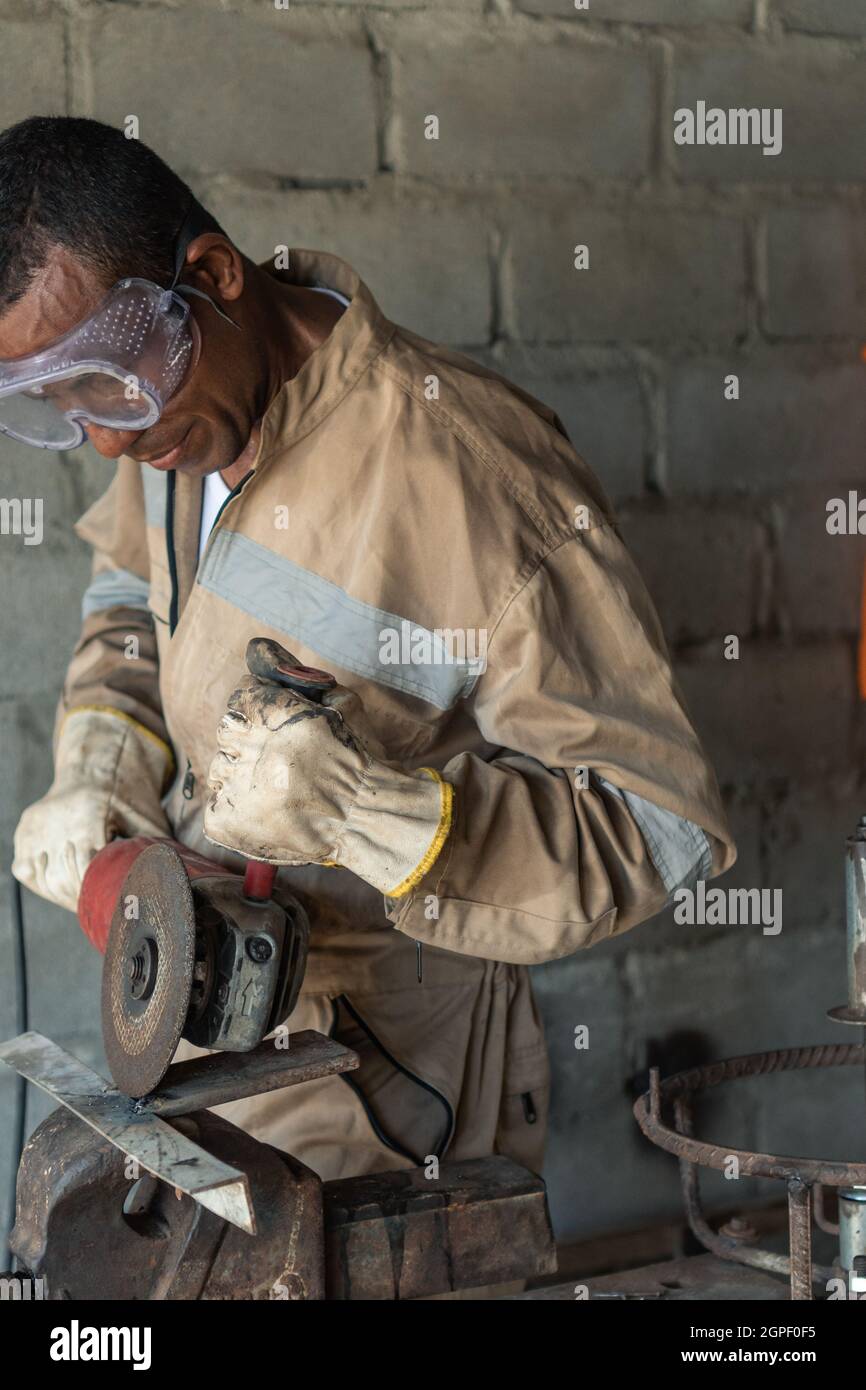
(259, 880)
(271, 662)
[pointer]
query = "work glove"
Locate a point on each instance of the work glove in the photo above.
(108, 775)
(295, 782)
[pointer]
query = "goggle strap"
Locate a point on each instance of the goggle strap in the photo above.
(190, 289)
(197, 220)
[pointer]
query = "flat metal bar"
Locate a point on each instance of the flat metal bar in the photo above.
(219, 1077)
(689, 1279)
(158, 1147)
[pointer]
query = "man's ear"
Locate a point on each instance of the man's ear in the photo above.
(215, 266)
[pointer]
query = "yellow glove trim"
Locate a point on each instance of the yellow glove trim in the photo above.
(442, 833)
(128, 719)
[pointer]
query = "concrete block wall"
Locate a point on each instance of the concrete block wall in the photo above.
(305, 126)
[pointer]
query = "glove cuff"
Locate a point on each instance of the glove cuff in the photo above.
(99, 739)
(396, 829)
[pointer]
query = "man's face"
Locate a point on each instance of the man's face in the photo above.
(207, 422)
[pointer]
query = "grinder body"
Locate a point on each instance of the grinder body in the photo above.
(236, 978)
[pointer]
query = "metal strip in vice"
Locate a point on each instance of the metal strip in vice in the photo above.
(160, 1148)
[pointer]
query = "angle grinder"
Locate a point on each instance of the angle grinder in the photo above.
(193, 949)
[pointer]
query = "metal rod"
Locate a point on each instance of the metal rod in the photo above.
(726, 1247)
(822, 1220)
(852, 1236)
(18, 1128)
(855, 903)
(800, 1237)
(854, 1011)
(832, 1172)
(655, 1094)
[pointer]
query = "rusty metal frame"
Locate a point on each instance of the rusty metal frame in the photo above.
(800, 1175)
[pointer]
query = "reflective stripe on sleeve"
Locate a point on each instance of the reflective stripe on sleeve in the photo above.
(114, 589)
(679, 849)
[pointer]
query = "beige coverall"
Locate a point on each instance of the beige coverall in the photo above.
(411, 512)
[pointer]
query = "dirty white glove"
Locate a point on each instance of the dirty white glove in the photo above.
(108, 775)
(294, 783)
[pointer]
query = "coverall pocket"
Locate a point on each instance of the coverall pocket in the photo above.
(522, 1128)
(523, 1112)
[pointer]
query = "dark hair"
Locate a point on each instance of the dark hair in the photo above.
(83, 185)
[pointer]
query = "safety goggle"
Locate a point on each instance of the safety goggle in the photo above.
(117, 368)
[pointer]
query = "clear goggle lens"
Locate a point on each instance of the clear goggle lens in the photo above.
(117, 369)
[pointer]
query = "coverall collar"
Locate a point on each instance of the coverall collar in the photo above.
(327, 376)
(331, 371)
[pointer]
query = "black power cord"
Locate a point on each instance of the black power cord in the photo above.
(19, 1105)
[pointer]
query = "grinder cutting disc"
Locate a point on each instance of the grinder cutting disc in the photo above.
(147, 975)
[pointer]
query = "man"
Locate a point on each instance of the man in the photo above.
(505, 773)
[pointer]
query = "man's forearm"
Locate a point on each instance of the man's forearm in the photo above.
(115, 666)
(535, 867)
